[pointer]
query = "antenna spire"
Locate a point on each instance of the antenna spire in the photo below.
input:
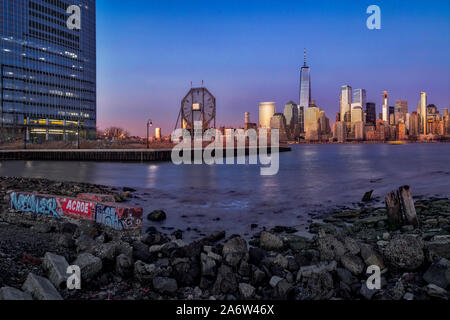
(304, 57)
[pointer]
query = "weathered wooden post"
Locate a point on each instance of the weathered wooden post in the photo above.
(408, 206)
(394, 211)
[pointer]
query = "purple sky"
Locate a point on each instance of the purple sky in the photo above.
(251, 51)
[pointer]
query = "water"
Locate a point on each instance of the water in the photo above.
(312, 178)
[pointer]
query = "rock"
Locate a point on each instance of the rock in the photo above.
(405, 252)
(408, 296)
(329, 247)
(235, 250)
(258, 276)
(398, 291)
(386, 236)
(317, 286)
(187, 271)
(439, 273)
(165, 285)
(366, 292)
(351, 246)
(407, 228)
(89, 264)
(245, 269)
(439, 247)
(270, 242)
(436, 292)
(124, 266)
(281, 261)
(65, 240)
(282, 289)
(346, 276)
(209, 268)
(85, 243)
(40, 288)
(247, 291)
(68, 227)
(56, 267)
(353, 263)
(141, 251)
(256, 255)
(144, 273)
(42, 228)
(371, 257)
(157, 215)
(308, 271)
(274, 281)
(296, 243)
(226, 281)
(13, 294)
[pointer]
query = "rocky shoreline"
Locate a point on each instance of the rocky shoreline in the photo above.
(275, 264)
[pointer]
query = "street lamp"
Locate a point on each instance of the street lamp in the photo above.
(149, 124)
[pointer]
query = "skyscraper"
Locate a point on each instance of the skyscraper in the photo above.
(291, 115)
(423, 112)
(371, 113)
(266, 112)
(305, 92)
(359, 98)
(385, 106)
(345, 103)
(48, 69)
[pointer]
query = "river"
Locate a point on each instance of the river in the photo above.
(312, 179)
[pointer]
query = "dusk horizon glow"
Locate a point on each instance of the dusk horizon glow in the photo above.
(249, 52)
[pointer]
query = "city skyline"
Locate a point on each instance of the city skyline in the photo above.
(245, 62)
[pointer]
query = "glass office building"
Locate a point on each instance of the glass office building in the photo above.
(48, 70)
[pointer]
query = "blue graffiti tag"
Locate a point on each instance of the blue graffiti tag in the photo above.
(107, 215)
(34, 204)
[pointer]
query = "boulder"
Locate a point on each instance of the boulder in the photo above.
(56, 267)
(124, 266)
(436, 292)
(371, 257)
(235, 250)
(317, 286)
(209, 267)
(346, 276)
(246, 290)
(141, 251)
(157, 215)
(13, 294)
(165, 285)
(186, 271)
(329, 247)
(353, 263)
(40, 288)
(404, 252)
(308, 271)
(271, 242)
(144, 273)
(226, 281)
(89, 264)
(438, 273)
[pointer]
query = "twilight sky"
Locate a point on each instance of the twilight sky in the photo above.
(247, 52)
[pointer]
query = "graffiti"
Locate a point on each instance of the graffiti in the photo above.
(107, 215)
(113, 215)
(35, 204)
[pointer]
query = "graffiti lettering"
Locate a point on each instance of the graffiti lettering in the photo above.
(35, 204)
(108, 216)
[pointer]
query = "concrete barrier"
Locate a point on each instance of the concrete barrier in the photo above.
(111, 214)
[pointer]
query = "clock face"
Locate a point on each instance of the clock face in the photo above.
(199, 105)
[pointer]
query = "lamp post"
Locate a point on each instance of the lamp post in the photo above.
(149, 124)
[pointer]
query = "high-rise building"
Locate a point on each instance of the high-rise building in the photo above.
(48, 69)
(423, 113)
(278, 121)
(385, 106)
(311, 122)
(414, 128)
(345, 103)
(391, 115)
(359, 98)
(371, 113)
(266, 112)
(158, 133)
(305, 92)
(291, 114)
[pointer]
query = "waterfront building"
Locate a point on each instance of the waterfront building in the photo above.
(359, 130)
(414, 128)
(305, 93)
(291, 115)
(371, 113)
(401, 109)
(48, 70)
(266, 112)
(359, 98)
(392, 116)
(278, 121)
(247, 124)
(311, 122)
(340, 131)
(401, 128)
(423, 113)
(385, 106)
(158, 134)
(345, 103)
